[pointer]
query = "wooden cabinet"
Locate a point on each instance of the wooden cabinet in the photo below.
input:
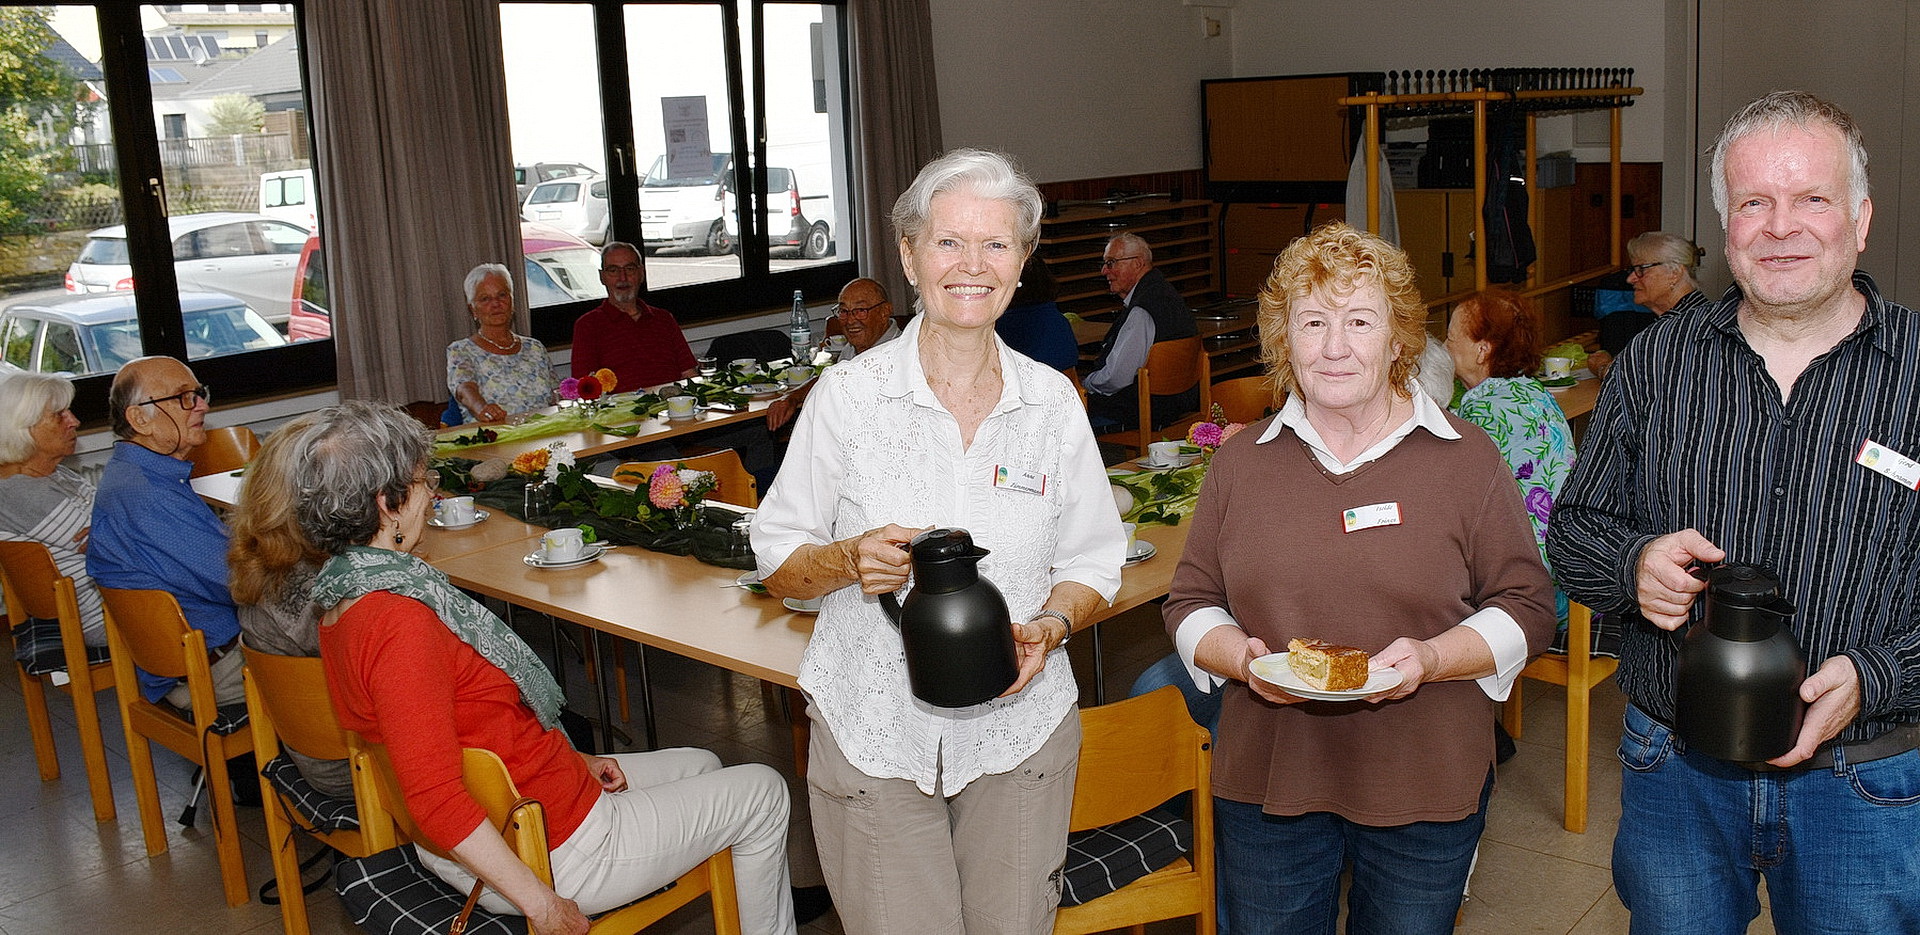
(1436, 231)
(1183, 234)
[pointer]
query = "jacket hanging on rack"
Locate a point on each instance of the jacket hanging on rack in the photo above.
(1510, 248)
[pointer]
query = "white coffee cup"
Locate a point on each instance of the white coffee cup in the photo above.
(745, 363)
(1556, 368)
(680, 407)
(563, 545)
(456, 511)
(836, 343)
(797, 375)
(1132, 537)
(1163, 452)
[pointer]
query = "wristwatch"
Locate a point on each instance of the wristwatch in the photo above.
(1066, 633)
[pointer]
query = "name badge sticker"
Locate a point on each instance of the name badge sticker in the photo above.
(1371, 516)
(1021, 479)
(1883, 460)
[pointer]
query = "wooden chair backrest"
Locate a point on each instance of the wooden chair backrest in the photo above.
(736, 485)
(522, 822)
(1246, 399)
(224, 450)
(153, 628)
(1121, 775)
(32, 581)
(297, 706)
(1174, 366)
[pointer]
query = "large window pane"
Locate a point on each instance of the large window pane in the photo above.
(677, 75)
(60, 182)
(554, 117)
(806, 156)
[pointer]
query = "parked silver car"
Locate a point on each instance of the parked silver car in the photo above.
(83, 335)
(577, 205)
(251, 257)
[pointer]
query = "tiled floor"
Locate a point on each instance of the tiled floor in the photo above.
(62, 872)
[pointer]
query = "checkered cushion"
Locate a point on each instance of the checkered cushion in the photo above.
(393, 893)
(232, 718)
(36, 645)
(1101, 860)
(324, 812)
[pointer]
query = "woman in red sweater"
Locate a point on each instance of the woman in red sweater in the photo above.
(414, 664)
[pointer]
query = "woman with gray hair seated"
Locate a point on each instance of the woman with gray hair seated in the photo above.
(1660, 268)
(416, 665)
(495, 373)
(42, 500)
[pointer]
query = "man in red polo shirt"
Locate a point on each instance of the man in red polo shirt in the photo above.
(640, 343)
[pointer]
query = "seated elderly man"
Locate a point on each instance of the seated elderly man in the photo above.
(150, 530)
(639, 342)
(1151, 311)
(865, 316)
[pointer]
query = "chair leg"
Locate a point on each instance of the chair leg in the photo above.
(1510, 710)
(1579, 714)
(39, 724)
(93, 750)
(725, 895)
(286, 863)
(802, 728)
(226, 829)
(146, 790)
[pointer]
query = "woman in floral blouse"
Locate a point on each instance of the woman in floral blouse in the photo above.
(1494, 340)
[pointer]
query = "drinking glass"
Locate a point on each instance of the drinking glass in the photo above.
(537, 503)
(708, 365)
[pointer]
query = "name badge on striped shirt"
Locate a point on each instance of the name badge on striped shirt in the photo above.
(1370, 516)
(1883, 460)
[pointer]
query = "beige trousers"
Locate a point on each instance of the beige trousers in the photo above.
(983, 862)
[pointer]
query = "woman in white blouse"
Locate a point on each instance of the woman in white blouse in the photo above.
(944, 819)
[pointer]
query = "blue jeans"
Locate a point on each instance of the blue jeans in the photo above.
(1203, 707)
(1837, 843)
(1282, 873)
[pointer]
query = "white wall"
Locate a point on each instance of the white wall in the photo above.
(1077, 89)
(1109, 87)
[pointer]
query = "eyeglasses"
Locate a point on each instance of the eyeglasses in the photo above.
(844, 310)
(186, 399)
(1116, 261)
(1640, 269)
(619, 270)
(431, 479)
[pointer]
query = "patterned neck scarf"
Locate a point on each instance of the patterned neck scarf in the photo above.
(362, 570)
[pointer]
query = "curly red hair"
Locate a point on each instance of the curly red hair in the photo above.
(1506, 321)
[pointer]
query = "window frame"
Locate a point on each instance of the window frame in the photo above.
(759, 287)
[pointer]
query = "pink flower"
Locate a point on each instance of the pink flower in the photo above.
(1232, 429)
(665, 489)
(1204, 434)
(570, 388)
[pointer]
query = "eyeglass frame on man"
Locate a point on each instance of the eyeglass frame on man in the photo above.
(1106, 264)
(203, 391)
(843, 311)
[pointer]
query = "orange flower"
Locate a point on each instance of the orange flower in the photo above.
(607, 381)
(531, 462)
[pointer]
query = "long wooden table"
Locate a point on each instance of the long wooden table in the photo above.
(589, 442)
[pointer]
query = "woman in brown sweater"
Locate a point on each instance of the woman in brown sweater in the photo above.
(1364, 515)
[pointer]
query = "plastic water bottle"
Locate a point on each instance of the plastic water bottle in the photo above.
(800, 329)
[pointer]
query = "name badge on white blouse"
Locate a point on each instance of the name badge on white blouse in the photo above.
(1371, 516)
(1021, 479)
(1884, 460)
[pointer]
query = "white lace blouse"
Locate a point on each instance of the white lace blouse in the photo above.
(874, 446)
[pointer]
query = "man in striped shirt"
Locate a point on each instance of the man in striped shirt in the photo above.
(1740, 432)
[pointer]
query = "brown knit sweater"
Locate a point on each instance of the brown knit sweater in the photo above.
(1268, 546)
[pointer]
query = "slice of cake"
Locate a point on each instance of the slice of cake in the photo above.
(1326, 666)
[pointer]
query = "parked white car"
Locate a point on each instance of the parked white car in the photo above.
(684, 211)
(794, 221)
(84, 335)
(291, 197)
(248, 256)
(576, 204)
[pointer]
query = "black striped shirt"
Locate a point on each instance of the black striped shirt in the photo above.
(1690, 431)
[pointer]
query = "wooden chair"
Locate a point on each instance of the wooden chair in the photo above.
(1579, 670)
(522, 822)
(147, 629)
(1244, 399)
(287, 703)
(737, 486)
(1122, 776)
(1172, 367)
(224, 450)
(36, 588)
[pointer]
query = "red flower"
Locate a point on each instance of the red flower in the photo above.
(589, 388)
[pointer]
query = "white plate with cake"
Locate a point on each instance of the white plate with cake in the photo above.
(1323, 671)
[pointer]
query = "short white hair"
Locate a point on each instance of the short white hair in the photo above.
(479, 274)
(25, 399)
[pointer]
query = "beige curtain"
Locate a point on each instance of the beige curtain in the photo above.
(897, 103)
(410, 113)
